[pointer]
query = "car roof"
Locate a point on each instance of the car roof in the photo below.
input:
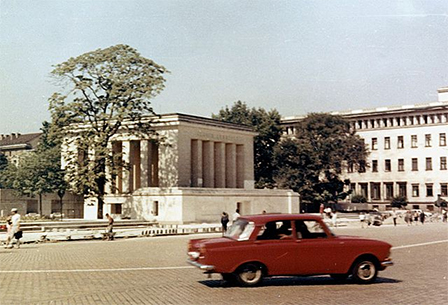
(263, 218)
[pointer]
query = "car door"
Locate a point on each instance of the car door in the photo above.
(315, 252)
(275, 247)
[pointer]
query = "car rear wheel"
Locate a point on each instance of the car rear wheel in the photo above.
(250, 274)
(365, 271)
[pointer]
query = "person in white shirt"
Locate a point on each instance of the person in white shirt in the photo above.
(236, 215)
(15, 227)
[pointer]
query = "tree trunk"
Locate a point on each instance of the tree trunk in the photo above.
(40, 204)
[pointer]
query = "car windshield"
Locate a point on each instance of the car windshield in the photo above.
(240, 230)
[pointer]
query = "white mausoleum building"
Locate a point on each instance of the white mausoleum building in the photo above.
(202, 168)
(408, 152)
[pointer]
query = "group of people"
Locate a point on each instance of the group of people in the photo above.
(13, 231)
(411, 217)
(225, 219)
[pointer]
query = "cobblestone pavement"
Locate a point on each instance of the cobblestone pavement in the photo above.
(153, 271)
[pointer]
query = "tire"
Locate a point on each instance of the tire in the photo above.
(365, 271)
(249, 275)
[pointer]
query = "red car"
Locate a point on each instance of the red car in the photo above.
(266, 245)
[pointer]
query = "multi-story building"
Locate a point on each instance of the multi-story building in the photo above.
(408, 152)
(14, 145)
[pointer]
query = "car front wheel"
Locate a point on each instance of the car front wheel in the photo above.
(365, 271)
(249, 275)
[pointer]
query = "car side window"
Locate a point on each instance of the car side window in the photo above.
(307, 229)
(276, 230)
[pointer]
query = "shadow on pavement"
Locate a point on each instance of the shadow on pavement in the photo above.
(298, 281)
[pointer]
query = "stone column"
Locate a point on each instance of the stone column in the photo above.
(135, 166)
(196, 163)
(240, 169)
(108, 187)
(220, 165)
(126, 146)
(208, 164)
(230, 165)
(144, 163)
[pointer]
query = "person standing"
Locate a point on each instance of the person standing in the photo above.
(362, 219)
(110, 227)
(224, 221)
(236, 215)
(334, 218)
(9, 234)
(422, 217)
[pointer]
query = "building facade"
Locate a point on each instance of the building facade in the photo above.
(201, 168)
(408, 152)
(15, 145)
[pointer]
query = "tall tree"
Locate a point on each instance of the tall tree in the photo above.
(312, 162)
(108, 90)
(267, 125)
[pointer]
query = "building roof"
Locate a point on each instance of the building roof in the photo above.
(19, 141)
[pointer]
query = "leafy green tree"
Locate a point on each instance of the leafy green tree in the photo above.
(312, 162)
(267, 125)
(399, 201)
(39, 172)
(107, 91)
(3, 170)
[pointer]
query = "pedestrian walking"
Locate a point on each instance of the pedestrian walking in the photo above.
(408, 218)
(110, 226)
(444, 215)
(321, 210)
(394, 217)
(13, 229)
(416, 217)
(224, 221)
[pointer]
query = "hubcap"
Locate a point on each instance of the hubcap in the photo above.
(251, 274)
(366, 270)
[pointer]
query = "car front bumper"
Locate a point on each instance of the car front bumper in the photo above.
(386, 263)
(206, 268)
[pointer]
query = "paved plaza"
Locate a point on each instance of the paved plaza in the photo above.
(153, 271)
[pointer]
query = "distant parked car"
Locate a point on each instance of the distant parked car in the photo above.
(267, 245)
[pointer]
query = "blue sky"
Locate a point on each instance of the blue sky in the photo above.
(295, 56)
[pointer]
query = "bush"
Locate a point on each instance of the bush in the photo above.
(399, 201)
(357, 198)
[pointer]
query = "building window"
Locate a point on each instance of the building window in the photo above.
(389, 190)
(442, 163)
(400, 165)
(400, 143)
(364, 189)
(414, 143)
(387, 143)
(387, 166)
(402, 189)
(376, 191)
(374, 166)
(415, 190)
(115, 208)
(442, 139)
(362, 166)
(444, 189)
(350, 167)
(414, 164)
(427, 140)
(429, 164)
(429, 190)
(374, 143)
